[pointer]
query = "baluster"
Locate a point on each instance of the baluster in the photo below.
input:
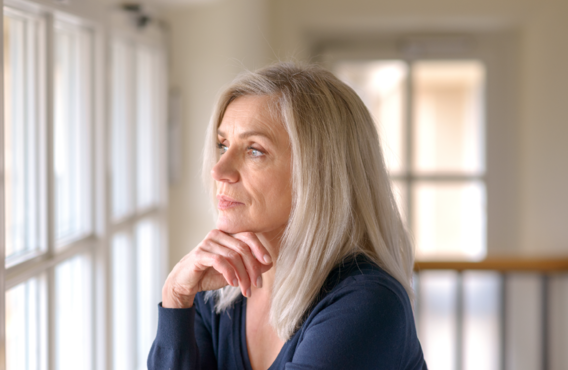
(459, 320)
(503, 321)
(544, 321)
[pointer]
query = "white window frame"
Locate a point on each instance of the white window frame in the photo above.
(96, 245)
(123, 32)
(497, 50)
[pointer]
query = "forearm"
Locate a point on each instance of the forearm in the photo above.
(175, 346)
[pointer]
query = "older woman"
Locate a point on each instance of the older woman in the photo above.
(310, 265)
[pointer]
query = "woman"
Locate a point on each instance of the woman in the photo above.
(310, 265)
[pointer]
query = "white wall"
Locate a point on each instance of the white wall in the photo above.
(545, 131)
(210, 43)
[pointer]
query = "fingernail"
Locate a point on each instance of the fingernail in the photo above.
(248, 293)
(267, 258)
(235, 282)
(259, 282)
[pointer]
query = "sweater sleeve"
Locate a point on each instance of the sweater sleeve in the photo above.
(183, 341)
(369, 328)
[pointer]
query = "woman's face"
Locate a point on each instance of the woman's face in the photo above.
(254, 171)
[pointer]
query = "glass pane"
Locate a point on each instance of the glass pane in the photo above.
(21, 138)
(482, 296)
(123, 328)
(449, 220)
(381, 85)
(122, 129)
(148, 107)
(437, 320)
(72, 131)
(25, 326)
(73, 326)
(148, 287)
(448, 116)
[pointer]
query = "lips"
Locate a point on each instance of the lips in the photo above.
(226, 202)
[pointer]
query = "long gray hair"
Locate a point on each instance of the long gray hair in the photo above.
(342, 199)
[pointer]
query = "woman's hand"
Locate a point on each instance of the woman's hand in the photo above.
(219, 260)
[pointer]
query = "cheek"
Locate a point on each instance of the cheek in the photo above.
(278, 195)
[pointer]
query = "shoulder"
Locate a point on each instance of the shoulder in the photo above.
(366, 290)
(368, 312)
(361, 278)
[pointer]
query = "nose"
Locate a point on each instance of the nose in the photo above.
(226, 168)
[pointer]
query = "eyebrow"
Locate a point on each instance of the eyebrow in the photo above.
(246, 134)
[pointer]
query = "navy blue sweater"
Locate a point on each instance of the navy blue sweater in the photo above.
(361, 320)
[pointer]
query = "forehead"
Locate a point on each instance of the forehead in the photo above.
(251, 114)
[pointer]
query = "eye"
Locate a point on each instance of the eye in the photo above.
(222, 148)
(255, 152)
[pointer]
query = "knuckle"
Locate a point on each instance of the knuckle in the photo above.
(242, 246)
(232, 255)
(197, 253)
(217, 259)
(204, 243)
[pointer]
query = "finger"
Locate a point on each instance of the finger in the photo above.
(206, 259)
(260, 252)
(237, 261)
(253, 266)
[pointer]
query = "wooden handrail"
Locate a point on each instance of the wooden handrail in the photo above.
(498, 264)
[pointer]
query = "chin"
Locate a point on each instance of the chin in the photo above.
(231, 227)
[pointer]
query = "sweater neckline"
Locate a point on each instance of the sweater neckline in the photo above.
(242, 334)
(338, 274)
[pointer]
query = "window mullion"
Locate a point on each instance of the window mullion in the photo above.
(50, 201)
(135, 218)
(135, 196)
(163, 168)
(134, 320)
(134, 126)
(20, 273)
(50, 325)
(44, 117)
(2, 214)
(102, 302)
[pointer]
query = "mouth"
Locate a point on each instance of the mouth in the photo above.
(226, 202)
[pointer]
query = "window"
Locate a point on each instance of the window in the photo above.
(428, 96)
(73, 314)
(26, 325)
(122, 129)
(73, 87)
(23, 137)
(137, 212)
(147, 77)
(430, 116)
(85, 198)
